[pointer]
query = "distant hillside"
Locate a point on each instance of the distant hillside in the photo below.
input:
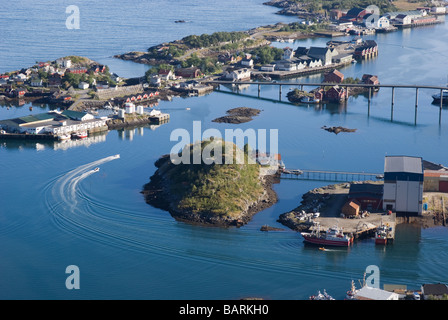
(313, 6)
(219, 194)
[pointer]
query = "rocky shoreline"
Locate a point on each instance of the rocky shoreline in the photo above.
(238, 115)
(338, 129)
(157, 194)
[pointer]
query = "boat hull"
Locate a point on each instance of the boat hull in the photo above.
(381, 241)
(327, 242)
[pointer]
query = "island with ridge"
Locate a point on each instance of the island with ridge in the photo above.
(223, 189)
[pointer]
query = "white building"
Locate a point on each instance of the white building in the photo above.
(36, 82)
(288, 53)
(140, 110)
(238, 75)
(54, 122)
(438, 10)
(83, 85)
(314, 63)
(382, 22)
(268, 68)
(64, 63)
(247, 63)
(369, 293)
(129, 107)
(403, 185)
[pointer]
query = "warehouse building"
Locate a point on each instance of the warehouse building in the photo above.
(403, 185)
(54, 122)
(435, 177)
(368, 195)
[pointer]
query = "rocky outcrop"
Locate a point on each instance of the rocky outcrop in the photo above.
(238, 115)
(337, 130)
(168, 190)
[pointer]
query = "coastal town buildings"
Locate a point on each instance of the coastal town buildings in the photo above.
(54, 122)
(237, 75)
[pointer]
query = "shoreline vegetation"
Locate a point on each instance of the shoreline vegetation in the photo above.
(210, 194)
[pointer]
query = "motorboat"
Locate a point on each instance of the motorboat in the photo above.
(80, 135)
(96, 169)
(444, 97)
(64, 137)
(321, 296)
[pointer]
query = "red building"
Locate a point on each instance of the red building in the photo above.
(55, 80)
(368, 50)
(192, 72)
(336, 94)
(334, 76)
(79, 70)
(370, 79)
(355, 15)
(368, 195)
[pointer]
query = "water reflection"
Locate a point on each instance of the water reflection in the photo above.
(131, 132)
(54, 145)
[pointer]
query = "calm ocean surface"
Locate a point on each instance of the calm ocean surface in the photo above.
(54, 212)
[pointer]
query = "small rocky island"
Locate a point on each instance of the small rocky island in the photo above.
(338, 129)
(238, 115)
(211, 194)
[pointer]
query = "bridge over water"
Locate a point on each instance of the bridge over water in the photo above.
(333, 176)
(371, 88)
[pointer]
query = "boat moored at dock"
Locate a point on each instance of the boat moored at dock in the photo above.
(382, 234)
(63, 137)
(321, 296)
(334, 236)
(80, 135)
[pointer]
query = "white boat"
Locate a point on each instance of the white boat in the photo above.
(116, 156)
(80, 135)
(352, 292)
(64, 137)
(321, 296)
(96, 169)
(307, 99)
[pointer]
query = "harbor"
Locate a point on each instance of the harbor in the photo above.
(127, 249)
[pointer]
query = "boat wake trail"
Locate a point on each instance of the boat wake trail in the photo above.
(79, 213)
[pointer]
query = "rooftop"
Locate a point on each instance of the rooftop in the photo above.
(403, 164)
(374, 294)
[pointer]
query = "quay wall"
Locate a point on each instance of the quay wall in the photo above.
(301, 72)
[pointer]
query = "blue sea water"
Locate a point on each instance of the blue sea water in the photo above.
(55, 212)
